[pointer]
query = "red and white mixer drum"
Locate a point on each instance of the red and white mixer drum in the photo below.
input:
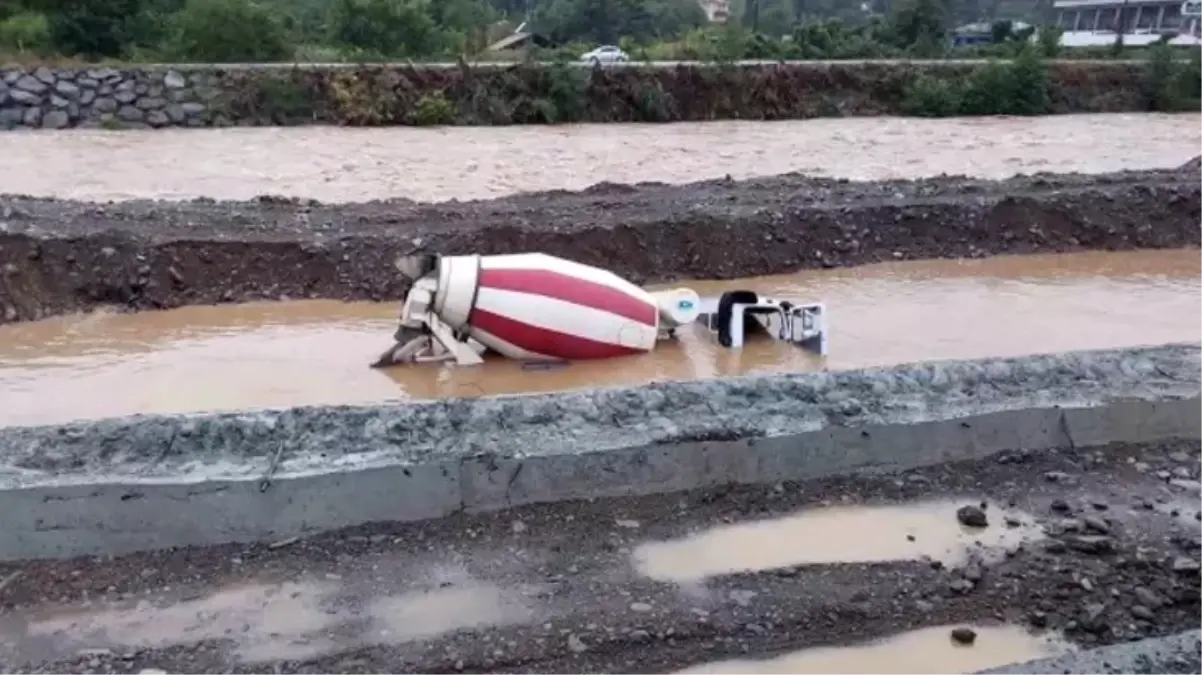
(533, 306)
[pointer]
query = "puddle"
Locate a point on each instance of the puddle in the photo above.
(316, 352)
(929, 650)
(836, 534)
(265, 622)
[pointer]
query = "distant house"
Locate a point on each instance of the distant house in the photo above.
(717, 11)
(1093, 22)
(981, 32)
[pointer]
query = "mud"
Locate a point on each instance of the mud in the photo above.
(314, 352)
(555, 588)
(58, 257)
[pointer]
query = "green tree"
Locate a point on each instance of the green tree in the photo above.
(227, 31)
(386, 27)
(919, 25)
(25, 31)
(605, 21)
(95, 27)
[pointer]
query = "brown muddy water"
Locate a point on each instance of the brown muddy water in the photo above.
(817, 536)
(317, 352)
(927, 650)
(269, 618)
(337, 164)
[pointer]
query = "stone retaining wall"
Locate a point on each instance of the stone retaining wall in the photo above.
(196, 96)
(105, 97)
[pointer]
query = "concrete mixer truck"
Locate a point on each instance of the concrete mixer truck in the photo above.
(536, 307)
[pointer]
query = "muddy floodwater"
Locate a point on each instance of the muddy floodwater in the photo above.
(234, 357)
(816, 537)
(927, 650)
(336, 164)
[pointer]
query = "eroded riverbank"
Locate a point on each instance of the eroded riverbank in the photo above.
(1082, 546)
(61, 257)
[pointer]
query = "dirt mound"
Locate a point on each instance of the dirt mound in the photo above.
(62, 256)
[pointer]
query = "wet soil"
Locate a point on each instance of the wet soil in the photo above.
(62, 256)
(564, 587)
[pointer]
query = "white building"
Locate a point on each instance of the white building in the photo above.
(1095, 22)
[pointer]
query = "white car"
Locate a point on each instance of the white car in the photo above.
(605, 54)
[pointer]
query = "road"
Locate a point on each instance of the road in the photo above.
(1094, 547)
(582, 64)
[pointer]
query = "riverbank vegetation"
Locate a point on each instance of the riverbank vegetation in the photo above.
(374, 95)
(360, 31)
(1025, 72)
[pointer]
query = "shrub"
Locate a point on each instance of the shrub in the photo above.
(96, 27)
(434, 109)
(227, 31)
(1018, 87)
(932, 97)
(385, 27)
(26, 31)
(1169, 83)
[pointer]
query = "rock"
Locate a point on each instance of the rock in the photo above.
(1094, 544)
(105, 104)
(66, 89)
(56, 119)
(1180, 457)
(151, 103)
(1185, 484)
(1096, 524)
(30, 84)
(1060, 506)
(176, 114)
(1183, 565)
(1147, 597)
(576, 645)
(1056, 477)
(25, 97)
(45, 75)
(972, 516)
(640, 607)
(32, 117)
(742, 597)
(157, 118)
(125, 96)
(964, 636)
(1141, 612)
(129, 114)
(174, 80)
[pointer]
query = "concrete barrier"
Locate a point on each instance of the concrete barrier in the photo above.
(115, 486)
(1178, 653)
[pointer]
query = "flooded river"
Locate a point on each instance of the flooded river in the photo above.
(316, 352)
(335, 164)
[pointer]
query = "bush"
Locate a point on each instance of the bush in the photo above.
(27, 31)
(1018, 87)
(385, 27)
(932, 97)
(227, 31)
(434, 109)
(97, 27)
(1171, 84)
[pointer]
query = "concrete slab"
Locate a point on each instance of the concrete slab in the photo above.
(1178, 653)
(115, 486)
